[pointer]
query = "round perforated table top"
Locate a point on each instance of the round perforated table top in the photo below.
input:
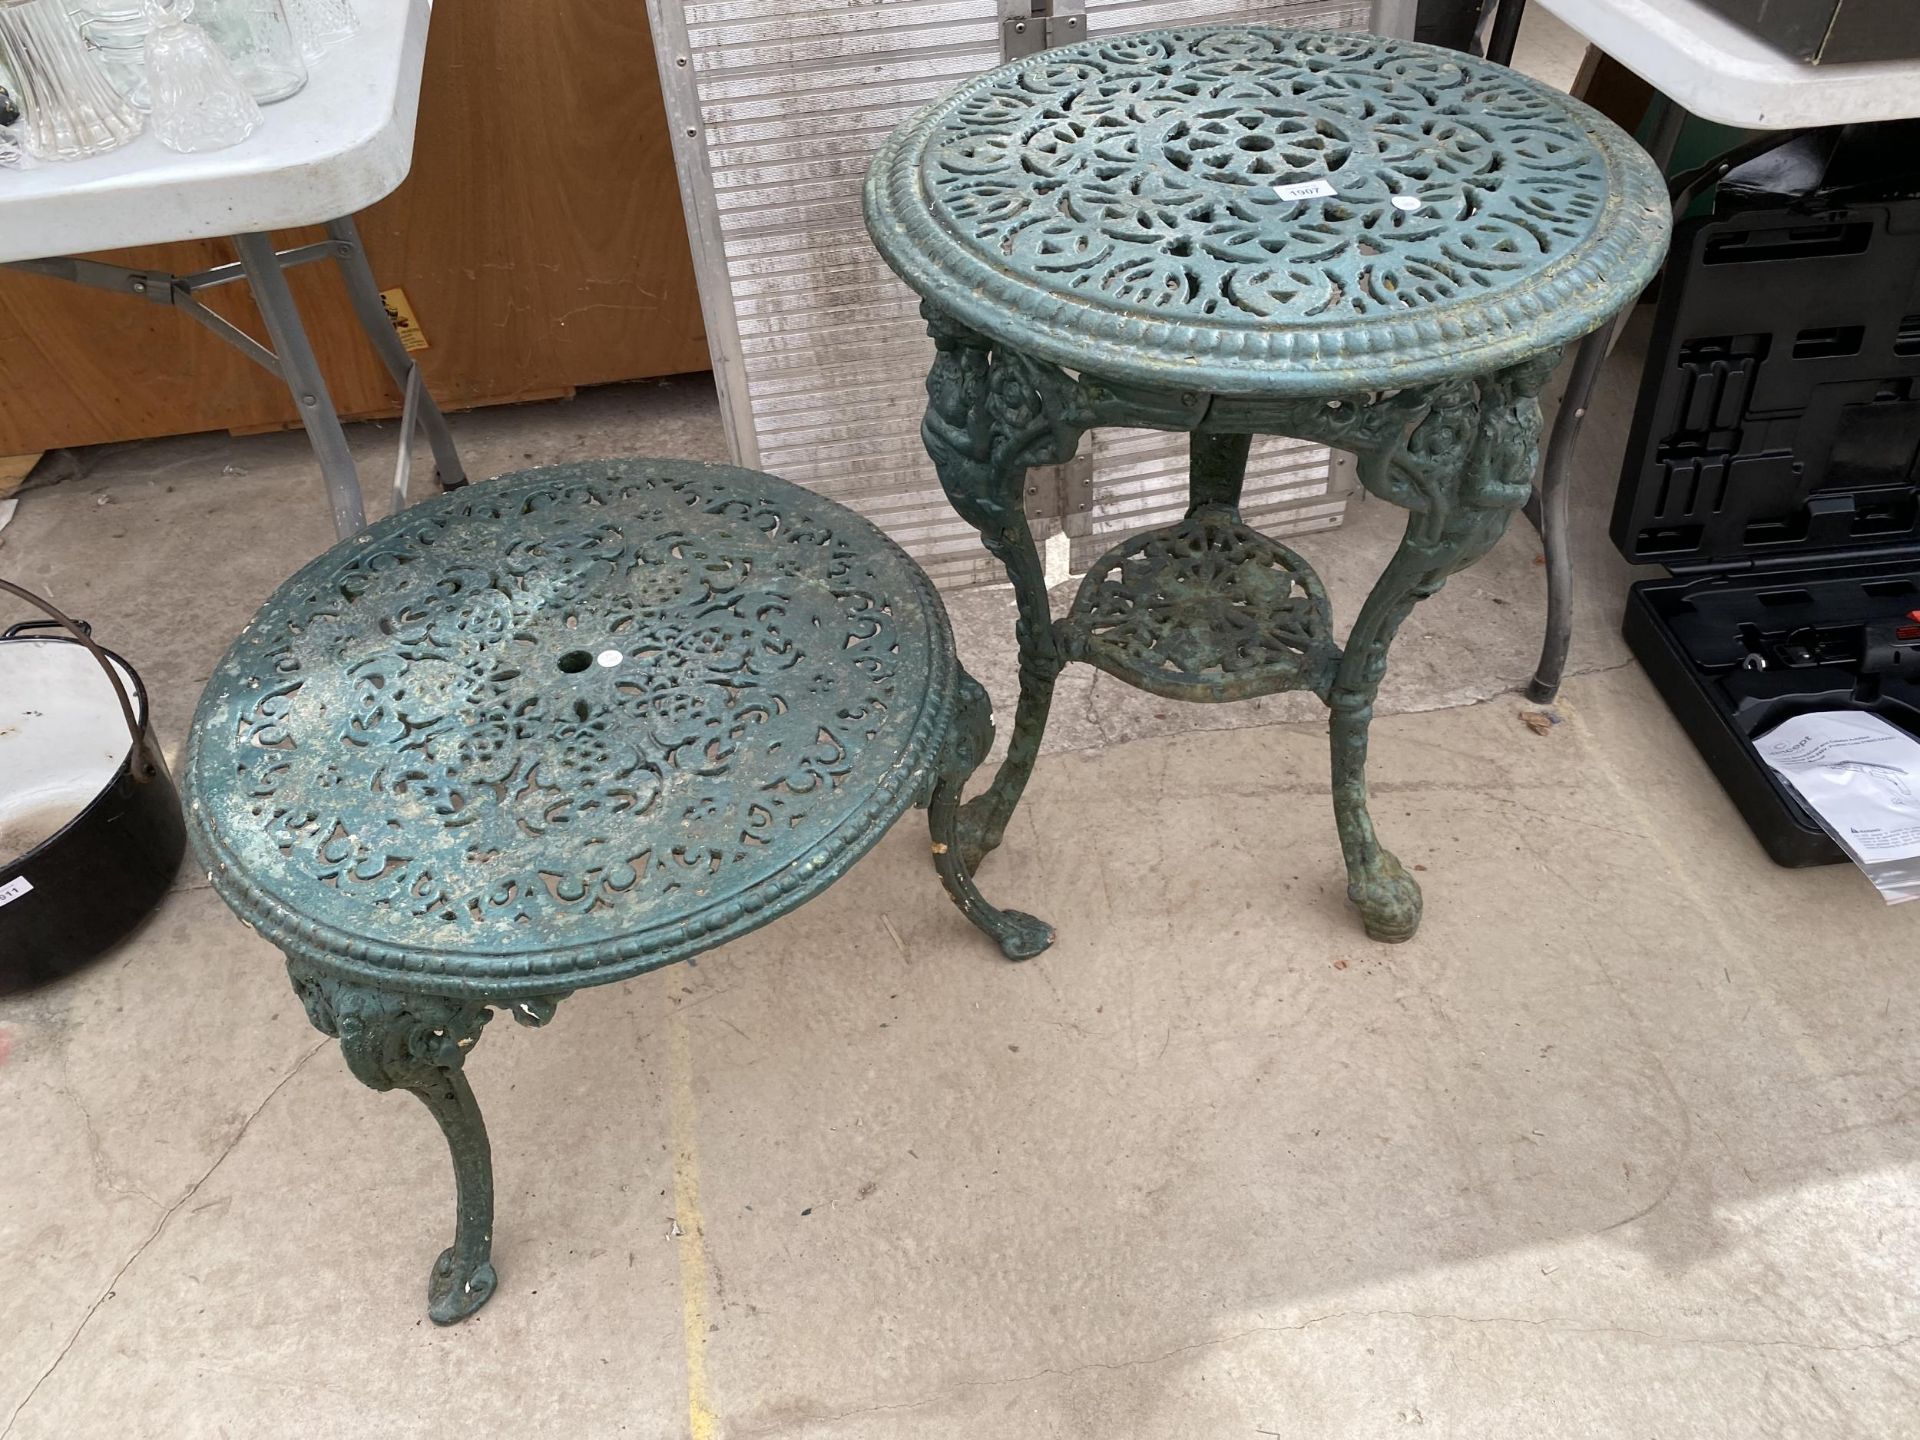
(1267, 211)
(567, 725)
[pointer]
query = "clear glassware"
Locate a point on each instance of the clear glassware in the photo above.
(199, 103)
(70, 107)
(116, 36)
(258, 40)
(320, 25)
(10, 148)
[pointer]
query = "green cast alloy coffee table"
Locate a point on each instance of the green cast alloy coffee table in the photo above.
(1374, 244)
(558, 729)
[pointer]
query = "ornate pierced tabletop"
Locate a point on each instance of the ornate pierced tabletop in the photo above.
(1375, 244)
(557, 729)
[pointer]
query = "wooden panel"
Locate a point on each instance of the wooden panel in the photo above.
(539, 239)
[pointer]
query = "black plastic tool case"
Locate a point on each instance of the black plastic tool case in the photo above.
(1773, 461)
(1830, 31)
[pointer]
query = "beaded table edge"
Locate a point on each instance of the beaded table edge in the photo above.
(463, 973)
(1562, 301)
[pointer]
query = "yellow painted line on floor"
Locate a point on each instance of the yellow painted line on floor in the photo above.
(702, 1423)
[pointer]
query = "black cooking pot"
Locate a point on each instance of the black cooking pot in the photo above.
(90, 827)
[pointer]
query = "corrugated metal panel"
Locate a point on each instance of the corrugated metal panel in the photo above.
(777, 106)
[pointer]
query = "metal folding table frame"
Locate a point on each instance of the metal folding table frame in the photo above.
(292, 357)
(1698, 63)
(322, 156)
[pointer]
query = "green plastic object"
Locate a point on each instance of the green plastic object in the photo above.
(1231, 231)
(557, 729)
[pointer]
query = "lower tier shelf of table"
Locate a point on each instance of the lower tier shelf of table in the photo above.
(1204, 609)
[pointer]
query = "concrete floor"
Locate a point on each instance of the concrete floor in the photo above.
(1625, 1144)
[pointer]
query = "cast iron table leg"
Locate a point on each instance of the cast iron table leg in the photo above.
(1466, 468)
(991, 415)
(399, 1041)
(1020, 936)
(1216, 469)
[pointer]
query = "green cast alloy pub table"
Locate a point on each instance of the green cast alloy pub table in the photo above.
(1230, 231)
(557, 729)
